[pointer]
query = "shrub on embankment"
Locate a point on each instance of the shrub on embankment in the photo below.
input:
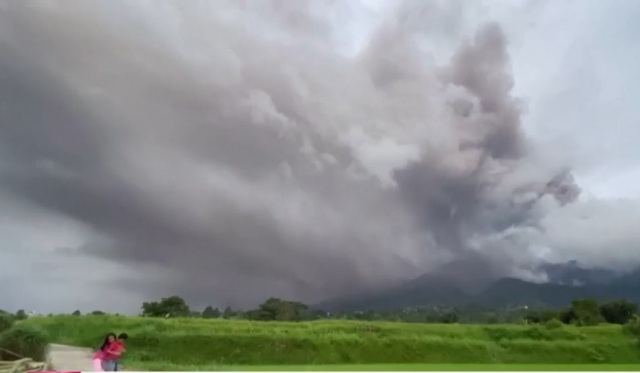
(212, 341)
(6, 320)
(23, 340)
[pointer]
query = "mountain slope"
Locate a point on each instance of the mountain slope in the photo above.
(412, 294)
(571, 273)
(510, 291)
(434, 288)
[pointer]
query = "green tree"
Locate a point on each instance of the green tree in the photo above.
(449, 317)
(6, 320)
(97, 313)
(278, 309)
(76, 313)
(582, 312)
(211, 313)
(21, 315)
(227, 313)
(240, 315)
(618, 312)
(541, 316)
(173, 306)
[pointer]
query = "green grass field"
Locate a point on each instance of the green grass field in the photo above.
(201, 344)
(409, 367)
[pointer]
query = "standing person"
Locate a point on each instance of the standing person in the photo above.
(113, 354)
(99, 355)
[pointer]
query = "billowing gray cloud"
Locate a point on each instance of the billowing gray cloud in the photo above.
(231, 154)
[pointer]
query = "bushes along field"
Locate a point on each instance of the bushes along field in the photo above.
(19, 340)
(23, 340)
(205, 342)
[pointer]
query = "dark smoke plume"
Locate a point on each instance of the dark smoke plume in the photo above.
(231, 147)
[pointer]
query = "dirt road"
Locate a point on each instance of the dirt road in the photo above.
(70, 358)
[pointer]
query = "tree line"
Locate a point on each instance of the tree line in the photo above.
(581, 312)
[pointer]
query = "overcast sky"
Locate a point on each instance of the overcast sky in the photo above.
(230, 151)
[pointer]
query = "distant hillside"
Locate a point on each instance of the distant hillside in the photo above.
(413, 294)
(451, 284)
(571, 273)
(567, 282)
(510, 291)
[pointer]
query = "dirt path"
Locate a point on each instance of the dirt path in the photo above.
(70, 358)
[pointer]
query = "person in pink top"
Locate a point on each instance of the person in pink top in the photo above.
(99, 357)
(113, 353)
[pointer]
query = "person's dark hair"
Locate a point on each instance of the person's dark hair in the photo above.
(123, 336)
(106, 341)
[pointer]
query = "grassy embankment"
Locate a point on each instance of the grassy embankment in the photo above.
(200, 344)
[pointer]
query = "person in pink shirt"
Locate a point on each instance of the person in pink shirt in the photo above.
(113, 353)
(99, 357)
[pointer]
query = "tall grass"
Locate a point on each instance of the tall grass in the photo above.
(207, 342)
